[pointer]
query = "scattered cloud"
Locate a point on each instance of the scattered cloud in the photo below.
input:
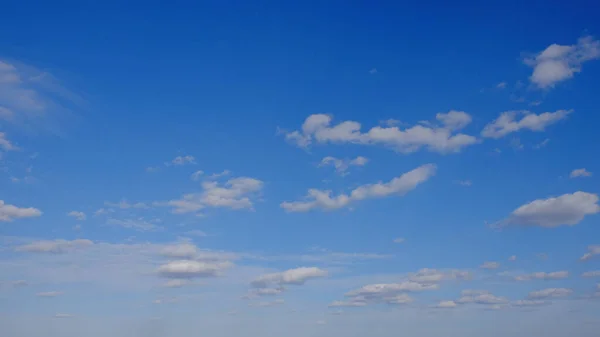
(177, 283)
(480, 297)
(579, 173)
(550, 293)
(354, 302)
(594, 273)
(182, 160)
(557, 275)
(268, 304)
(54, 246)
(322, 199)
(501, 85)
(59, 315)
(528, 303)
(466, 183)
(197, 175)
(11, 212)
(6, 144)
(49, 294)
(124, 204)
(373, 71)
(490, 265)
(441, 137)
(138, 224)
(235, 193)
(446, 305)
(593, 250)
(297, 276)
(77, 215)
(341, 165)
(565, 210)
(399, 240)
(542, 144)
(512, 258)
(558, 63)
(185, 269)
(507, 122)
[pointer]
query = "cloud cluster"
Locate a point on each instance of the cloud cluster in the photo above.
(322, 199)
(565, 210)
(441, 136)
(235, 193)
(558, 63)
(507, 122)
(11, 212)
(341, 165)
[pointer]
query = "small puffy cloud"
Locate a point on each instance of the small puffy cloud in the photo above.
(341, 165)
(580, 173)
(565, 210)
(77, 215)
(297, 276)
(446, 305)
(6, 144)
(550, 293)
(442, 137)
(594, 273)
(512, 258)
(55, 246)
(49, 294)
(235, 193)
(399, 240)
(185, 269)
(490, 265)
(593, 250)
(558, 63)
(557, 275)
(319, 199)
(11, 212)
(480, 297)
(182, 160)
(507, 122)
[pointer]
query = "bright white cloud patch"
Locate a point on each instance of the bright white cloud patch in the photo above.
(322, 199)
(183, 269)
(508, 122)
(550, 293)
(593, 250)
(54, 246)
(11, 212)
(565, 210)
(341, 165)
(235, 193)
(439, 137)
(558, 63)
(490, 265)
(557, 275)
(297, 276)
(77, 215)
(580, 173)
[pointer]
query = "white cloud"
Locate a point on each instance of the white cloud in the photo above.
(565, 210)
(34, 100)
(124, 204)
(351, 303)
(446, 305)
(138, 224)
(466, 183)
(507, 123)
(49, 294)
(501, 85)
(528, 303)
(490, 265)
(180, 251)
(182, 160)
(550, 293)
(255, 293)
(399, 240)
(440, 138)
(558, 63)
(297, 276)
(595, 273)
(54, 246)
(557, 275)
(319, 199)
(427, 275)
(6, 144)
(196, 175)
(235, 193)
(593, 250)
(176, 283)
(578, 173)
(77, 215)
(386, 290)
(341, 165)
(11, 212)
(480, 297)
(399, 299)
(512, 258)
(268, 304)
(183, 269)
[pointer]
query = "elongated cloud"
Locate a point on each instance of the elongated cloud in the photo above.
(322, 199)
(11, 212)
(297, 276)
(439, 137)
(508, 122)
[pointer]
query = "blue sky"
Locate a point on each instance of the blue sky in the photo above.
(301, 169)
